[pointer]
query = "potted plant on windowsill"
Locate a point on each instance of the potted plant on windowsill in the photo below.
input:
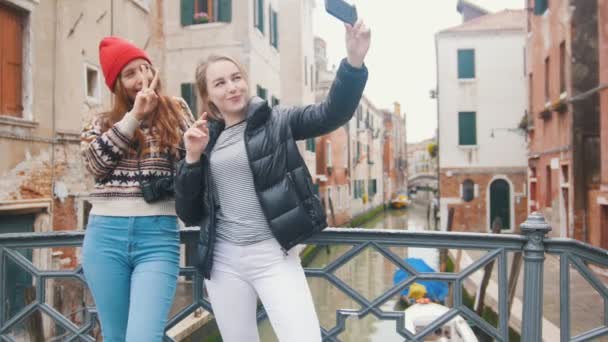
(201, 18)
(560, 106)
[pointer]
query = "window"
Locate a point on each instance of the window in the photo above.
(328, 154)
(311, 145)
(372, 187)
(274, 28)
(92, 83)
(466, 64)
(548, 187)
(547, 79)
(11, 62)
(531, 97)
(262, 92)
(189, 95)
(258, 14)
(194, 12)
(540, 6)
(312, 83)
(345, 155)
(467, 130)
(562, 67)
(274, 101)
(305, 70)
(468, 190)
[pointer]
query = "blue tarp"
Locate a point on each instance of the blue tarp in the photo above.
(435, 290)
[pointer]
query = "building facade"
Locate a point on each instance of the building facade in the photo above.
(564, 116)
(482, 99)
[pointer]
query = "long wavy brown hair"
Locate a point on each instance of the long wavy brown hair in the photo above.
(201, 83)
(165, 119)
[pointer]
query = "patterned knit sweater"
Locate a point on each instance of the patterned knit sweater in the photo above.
(111, 158)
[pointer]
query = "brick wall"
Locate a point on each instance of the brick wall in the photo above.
(472, 216)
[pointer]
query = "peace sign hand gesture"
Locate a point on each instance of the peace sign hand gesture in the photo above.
(146, 99)
(196, 139)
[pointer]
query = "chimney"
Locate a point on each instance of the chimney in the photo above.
(397, 108)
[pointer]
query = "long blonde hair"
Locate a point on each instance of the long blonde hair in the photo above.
(201, 82)
(166, 118)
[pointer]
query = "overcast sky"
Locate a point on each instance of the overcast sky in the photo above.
(401, 61)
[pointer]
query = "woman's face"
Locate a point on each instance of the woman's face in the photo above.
(227, 88)
(133, 74)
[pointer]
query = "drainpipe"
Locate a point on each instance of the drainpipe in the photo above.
(54, 108)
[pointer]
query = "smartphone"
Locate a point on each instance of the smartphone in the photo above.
(342, 10)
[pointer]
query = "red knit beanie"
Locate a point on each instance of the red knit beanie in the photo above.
(114, 54)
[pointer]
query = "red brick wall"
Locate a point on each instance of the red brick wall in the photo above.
(594, 221)
(65, 218)
(339, 174)
(472, 216)
(552, 136)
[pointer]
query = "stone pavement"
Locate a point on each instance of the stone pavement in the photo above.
(586, 304)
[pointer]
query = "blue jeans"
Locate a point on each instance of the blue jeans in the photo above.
(131, 265)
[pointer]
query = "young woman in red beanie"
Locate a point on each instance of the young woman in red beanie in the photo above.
(244, 182)
(131, 245)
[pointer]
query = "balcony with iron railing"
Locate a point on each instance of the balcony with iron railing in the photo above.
(39, 310)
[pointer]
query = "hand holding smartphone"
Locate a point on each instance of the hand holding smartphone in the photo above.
(342, 10)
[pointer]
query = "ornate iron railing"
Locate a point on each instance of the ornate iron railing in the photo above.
(533, 244)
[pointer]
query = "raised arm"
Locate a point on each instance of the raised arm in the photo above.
(345, 92)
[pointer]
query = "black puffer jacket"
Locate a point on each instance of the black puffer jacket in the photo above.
(282, 181)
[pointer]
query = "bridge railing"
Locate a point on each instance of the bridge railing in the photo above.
(37, 309)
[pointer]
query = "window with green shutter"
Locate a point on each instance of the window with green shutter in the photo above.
(467, 128)
(224, 14)
(258, 15)
(540, 6)
(195, 12)
(189, 95)
(466, 63)
(262, 92)
(311, 145)
(274, 29)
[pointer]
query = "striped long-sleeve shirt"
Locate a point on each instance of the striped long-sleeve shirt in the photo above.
(110, 157)
(240, 218)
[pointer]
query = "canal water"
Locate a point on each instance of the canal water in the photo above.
(370, 274)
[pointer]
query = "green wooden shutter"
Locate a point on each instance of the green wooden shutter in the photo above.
(467, 128)
(189, 95)
(270, 26)
(540, 6)
(275, 31)
(466, 64)
(261, 15)
(225, 11)
(187, 12)
(262, 92)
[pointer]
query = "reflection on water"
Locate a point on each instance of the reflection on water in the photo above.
(370, 274)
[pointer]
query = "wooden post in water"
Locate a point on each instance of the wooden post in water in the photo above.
(443, 258)
(487, 272)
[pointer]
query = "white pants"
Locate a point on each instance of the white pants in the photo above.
(242, 273)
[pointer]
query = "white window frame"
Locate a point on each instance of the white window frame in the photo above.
(96, 99)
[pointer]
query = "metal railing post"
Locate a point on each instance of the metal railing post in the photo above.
(535, 229)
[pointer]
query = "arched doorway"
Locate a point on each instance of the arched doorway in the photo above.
(500, 203)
